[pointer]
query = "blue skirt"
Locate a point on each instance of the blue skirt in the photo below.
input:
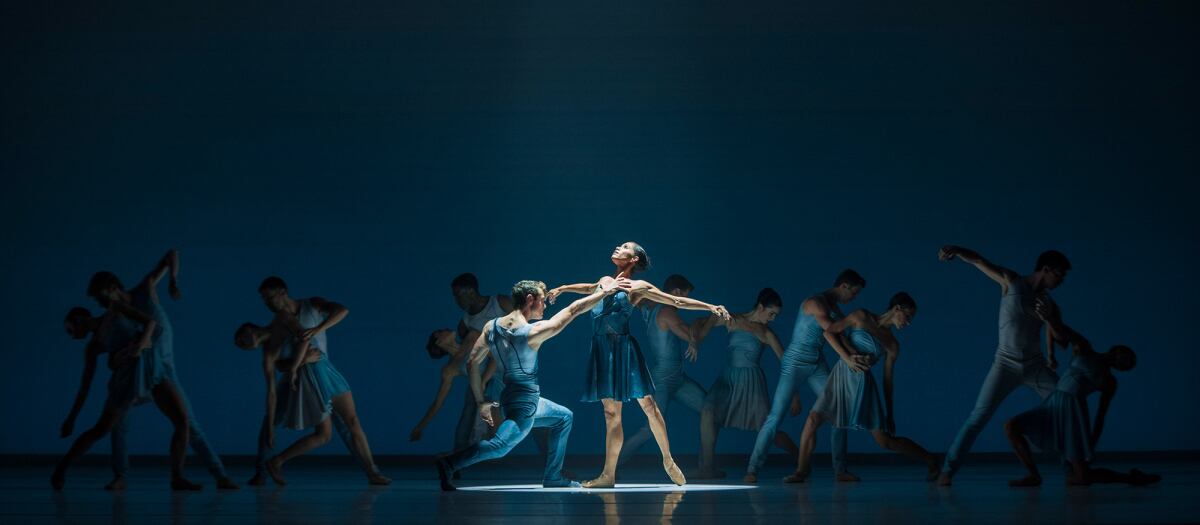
(739, 398)
(1061, 424)
(133, 384)
(616, 370)
(851, 400)
(312, 401)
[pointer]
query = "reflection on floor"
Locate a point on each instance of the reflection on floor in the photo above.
(322, 493)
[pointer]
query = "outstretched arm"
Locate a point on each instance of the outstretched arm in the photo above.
(448, 375)
(834, 334)
(644, 290)
(168, 265)
(90, 353)
(997, 273)
(580, 288)
(543, 330)
(1106, 397)
(334, 313)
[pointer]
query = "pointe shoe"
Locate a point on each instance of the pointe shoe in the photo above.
(117, 483)
(182, 483)
(675, 474)
(750, 478)
(275, 470)
(601, 482)
(799, 476)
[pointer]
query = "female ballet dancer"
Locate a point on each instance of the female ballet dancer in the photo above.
(851, 399)
(442, 344)
(316, 389)
(739, 397)
(617, 370)
(139, 374)
(1062, 423)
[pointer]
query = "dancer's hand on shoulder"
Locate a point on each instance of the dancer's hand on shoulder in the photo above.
(721, 312)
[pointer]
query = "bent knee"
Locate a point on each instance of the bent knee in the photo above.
(1012, 427)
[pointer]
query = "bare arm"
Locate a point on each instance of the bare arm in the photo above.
(997, 273)
(892, 353)
(168, 265)
(640, 290)
(90, 353)
(580, 288)
(1106, 397)
(479, 352)
(544, 330)
(772, 341)
(448, 375)
(334, 313)
(268, 366)
(701, 328)
(834, 334)
(669, 316)
(146, 340)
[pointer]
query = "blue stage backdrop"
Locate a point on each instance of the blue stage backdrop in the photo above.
(368, 154)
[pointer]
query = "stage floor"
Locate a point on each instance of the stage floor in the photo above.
(324, 493)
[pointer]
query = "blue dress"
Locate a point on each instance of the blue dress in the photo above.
(616, 368)
(312, 401)
(739, 397)
(851, 399)
(1062, 423)
(133, 383)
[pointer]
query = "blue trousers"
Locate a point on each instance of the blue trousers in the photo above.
(676, 387)
(1002, 379)
(549, 415)
(793, 372)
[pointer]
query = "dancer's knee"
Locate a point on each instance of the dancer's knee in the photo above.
(323, 433)
(884, 440)
(1012, 429)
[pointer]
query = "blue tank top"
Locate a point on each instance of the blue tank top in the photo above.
(808, 338)
(309, 317)
(1019, 326)
(1085, 375)
(667, 348)
(744, 349)
(164, 336)
(864, 343)
(611, 316)
(516, 359)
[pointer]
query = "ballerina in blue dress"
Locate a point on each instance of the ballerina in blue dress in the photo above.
(616, 370)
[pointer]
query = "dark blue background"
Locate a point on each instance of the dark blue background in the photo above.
(370, 153)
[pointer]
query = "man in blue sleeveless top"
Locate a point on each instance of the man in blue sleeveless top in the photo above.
(803, 361)
(513, 343)
(670, 340)
(107, 289)
(1019, 360)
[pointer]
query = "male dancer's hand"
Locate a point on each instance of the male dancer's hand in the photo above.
(691, 353)
(948, 252)
(1045, 309)
(485, 413)
(858, 363)
(721, 312)
(309, 333)
(173, 289)
(552, 295)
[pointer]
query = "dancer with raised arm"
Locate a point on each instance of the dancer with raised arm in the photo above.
(851, 399)
(316, 389)
(616, 370)
(670, 342)
(1018, 360)
(803, 362)
(515, 342)
(739, 398)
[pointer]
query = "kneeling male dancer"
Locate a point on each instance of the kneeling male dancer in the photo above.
(513, 343)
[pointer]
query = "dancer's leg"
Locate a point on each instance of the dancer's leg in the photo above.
(108, 418)
(171, 403)
(119, 440)
(1016, 438)
(659, 428)
(664, 392)
(815, 376)
(320, 436)
(999, 383)
(557, 420)
(909, 448)
(263, 453)
(779, 406)
(613, 439)
(508, 434)
(808, 442)
(343, 407)
(708, 442)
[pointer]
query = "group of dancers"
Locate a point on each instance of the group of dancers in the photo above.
(496, 347)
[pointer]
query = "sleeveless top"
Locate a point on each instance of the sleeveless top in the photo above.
(490, 311)
(1019, 326)
(744, 349)
(611, 316)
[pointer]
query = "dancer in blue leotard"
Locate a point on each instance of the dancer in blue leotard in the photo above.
(850, 399)
(617, 370)
(739, 398)
(306, 320)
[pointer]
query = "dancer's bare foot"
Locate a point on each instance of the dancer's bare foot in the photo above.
(935, 470)
(258, 480)
(1032, 480)
(847, 477)
(182, 483)
(443, 468)
(274, 468)
(117, 483)
(602, 482)
(750, 478)
(377, 478)
(1139, 478)
(799, 476)
(224, 483)
(674, 473)
(945, 479)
